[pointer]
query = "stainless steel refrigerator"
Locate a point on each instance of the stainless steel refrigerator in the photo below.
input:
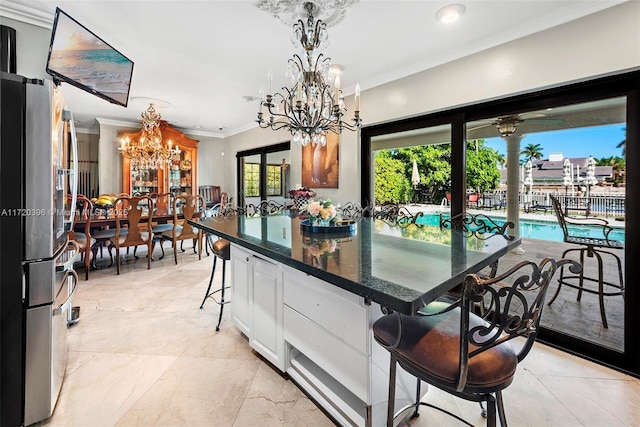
(38, 183)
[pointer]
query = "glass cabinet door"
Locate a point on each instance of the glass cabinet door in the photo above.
(181, 174)
(144, 181)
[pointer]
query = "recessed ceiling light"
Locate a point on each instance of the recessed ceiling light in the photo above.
(336, 69)
(250, 98)
(450, 13)
(197, 126)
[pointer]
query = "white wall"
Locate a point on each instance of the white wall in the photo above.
(211, 161)
(32, 48)
(598, 44)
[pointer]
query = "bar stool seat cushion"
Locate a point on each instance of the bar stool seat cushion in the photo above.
(429, 346)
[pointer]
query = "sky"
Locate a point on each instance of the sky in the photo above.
(596, 141)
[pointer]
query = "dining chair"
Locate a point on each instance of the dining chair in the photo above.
(191, 207)
(465, 354)
(134, 217)
(594, 248)
(210, 193)
(163, 204)
(83, 238)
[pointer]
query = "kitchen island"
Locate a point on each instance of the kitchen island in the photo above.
(306, 302)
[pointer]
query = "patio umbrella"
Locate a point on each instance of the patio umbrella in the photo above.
(528, 180)
(590, 179)
(567, 181)
(415, 175)
(528, 173)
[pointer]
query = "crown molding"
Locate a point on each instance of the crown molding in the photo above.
(121, 123)
(28, 14)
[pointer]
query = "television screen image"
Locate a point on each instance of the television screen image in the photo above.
(79, 57)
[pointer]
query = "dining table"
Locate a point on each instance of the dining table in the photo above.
(104, 219)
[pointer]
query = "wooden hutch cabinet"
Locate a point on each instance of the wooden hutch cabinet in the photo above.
(178, 177)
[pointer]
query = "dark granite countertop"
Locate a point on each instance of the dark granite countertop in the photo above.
(399, 267)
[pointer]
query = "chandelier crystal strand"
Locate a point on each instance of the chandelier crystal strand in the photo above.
(312, 107)
(149, 152)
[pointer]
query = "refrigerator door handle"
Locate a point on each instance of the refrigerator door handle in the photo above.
(67, 116)
(66, 305)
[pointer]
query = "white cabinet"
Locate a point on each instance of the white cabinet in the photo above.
(257, 303)
(333, 356)
(320, 334)
(240, 285)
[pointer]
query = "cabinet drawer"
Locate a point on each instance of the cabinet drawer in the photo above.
(347, 366)
(342, 313)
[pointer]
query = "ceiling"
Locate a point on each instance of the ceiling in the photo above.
(202, 57)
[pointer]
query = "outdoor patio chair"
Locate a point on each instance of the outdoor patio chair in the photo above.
(473, 199)
(594, 248)
(467, 355)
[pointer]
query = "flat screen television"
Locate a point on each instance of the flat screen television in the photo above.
(79, 57)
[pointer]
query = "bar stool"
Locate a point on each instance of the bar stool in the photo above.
(593, 248)
(463, 354)
(221, 248)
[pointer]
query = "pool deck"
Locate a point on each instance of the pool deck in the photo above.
(579, 318)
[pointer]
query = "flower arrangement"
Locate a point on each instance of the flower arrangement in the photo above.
(301, 196)
(303, 193)
(321, 212)
(319, 247)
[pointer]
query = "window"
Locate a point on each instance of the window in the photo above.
(274, 180)
(251, 179)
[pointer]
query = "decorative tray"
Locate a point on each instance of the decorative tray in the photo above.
(345, 227)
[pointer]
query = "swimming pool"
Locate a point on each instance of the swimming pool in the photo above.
(537, 229)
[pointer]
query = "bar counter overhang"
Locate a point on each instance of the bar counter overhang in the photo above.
(399, 267)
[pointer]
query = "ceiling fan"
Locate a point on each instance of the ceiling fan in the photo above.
(507, 125)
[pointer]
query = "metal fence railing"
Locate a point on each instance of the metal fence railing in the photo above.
(595, 205)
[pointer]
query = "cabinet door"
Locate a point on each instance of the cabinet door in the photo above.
(240, 287)
(267, 325)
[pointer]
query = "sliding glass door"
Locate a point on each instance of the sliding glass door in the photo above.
(509, 159)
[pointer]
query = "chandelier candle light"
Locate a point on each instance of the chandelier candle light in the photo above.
(311, 108)
(149, 152)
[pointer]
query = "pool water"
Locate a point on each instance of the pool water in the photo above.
(541, 230)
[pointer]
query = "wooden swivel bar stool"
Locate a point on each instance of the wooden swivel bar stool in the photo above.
(221, 248)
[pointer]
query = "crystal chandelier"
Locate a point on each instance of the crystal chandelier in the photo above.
(149, 151)
(311, 108)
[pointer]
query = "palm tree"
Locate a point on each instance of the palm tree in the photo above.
(532, 151)
(502, 160)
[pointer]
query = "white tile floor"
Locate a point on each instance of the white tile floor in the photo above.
(144, 354)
